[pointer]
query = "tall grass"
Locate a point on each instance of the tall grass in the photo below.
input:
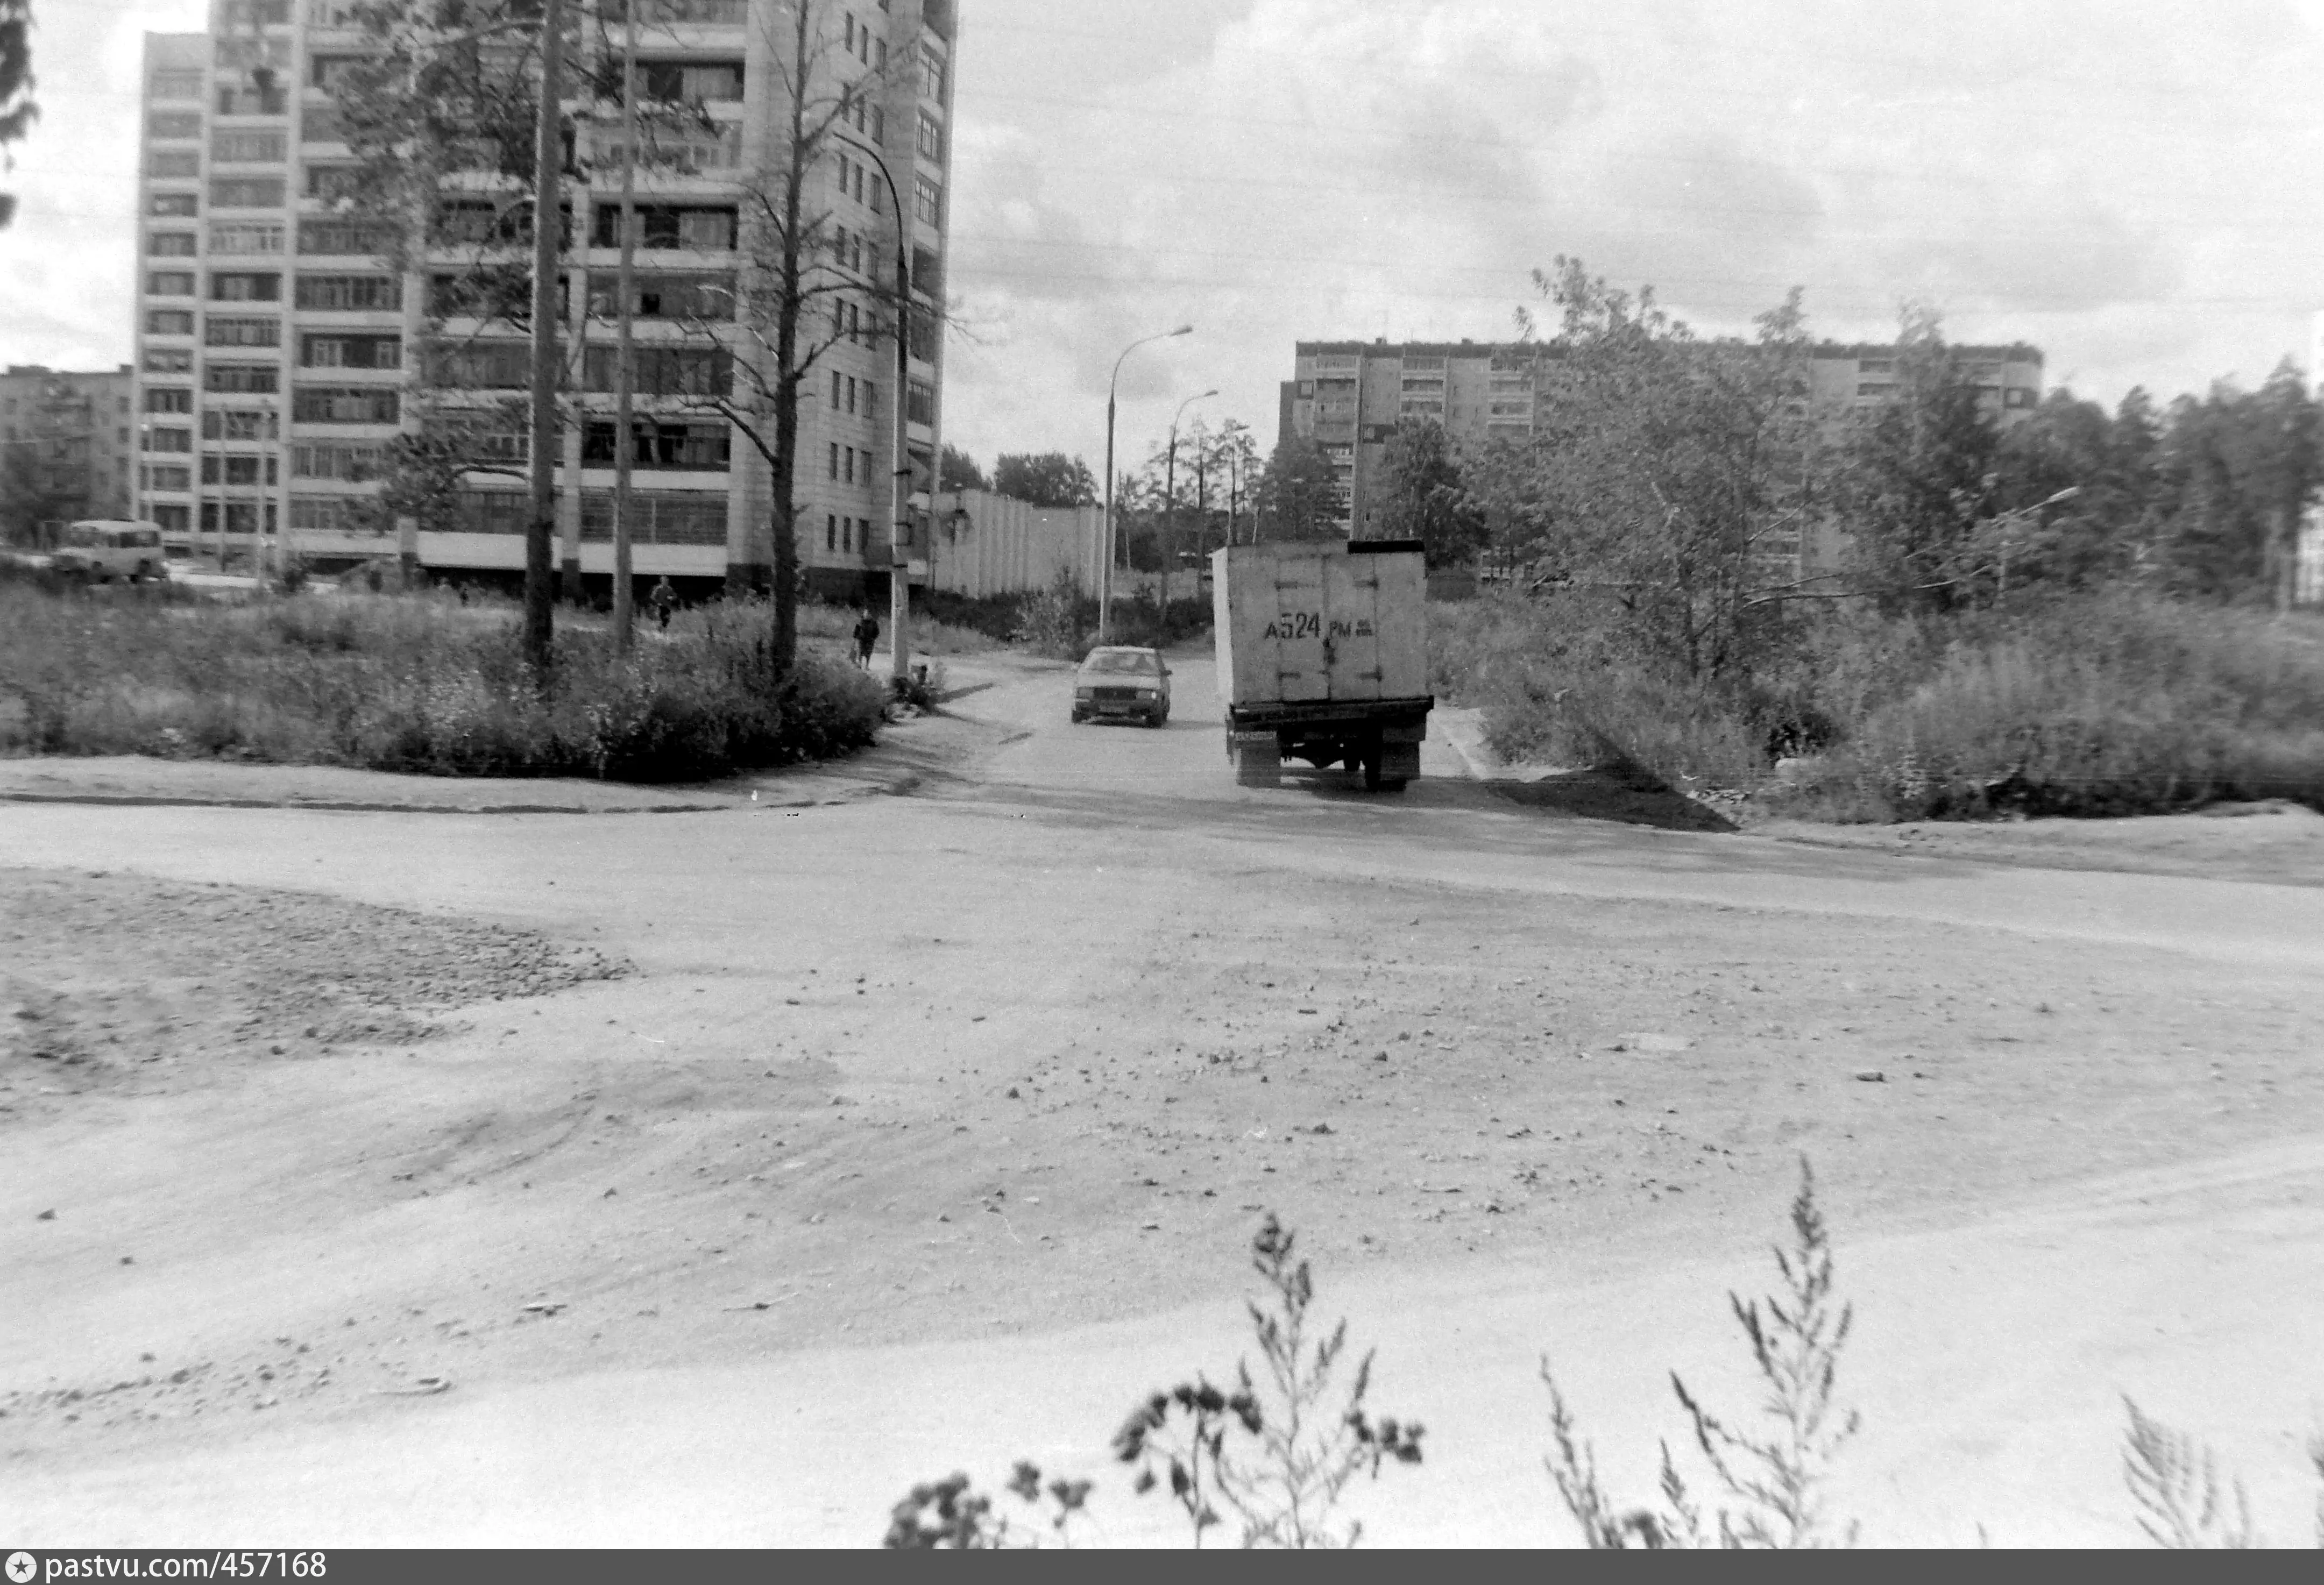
(413, 683)
(2118, 703)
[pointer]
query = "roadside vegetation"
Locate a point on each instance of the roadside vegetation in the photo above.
(1902, 612)
(1268, 1463)
(421, 683)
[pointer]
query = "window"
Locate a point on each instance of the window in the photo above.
(240, 424)
(173, 204)
(2019, 396)
(664, 370)
(243, 145)
(931, 137)
(335, 460)
(847, 462)
(176, 85)
(169, 440)
(240, 98)
(245, 286)
(851, 393)
(830, 530)
(251, 237)
(928, 273)
(344, 404)
(257, 14)
(835, 461)
(491, 292)
(350, 292)
(693, 81)
(249, 377)
(335, 514)
(320, 124)
(351, 352)
(1876, 365)
(169, 360)
(169, 322)
(223, 332)
(662, 226)
(668, 297)
(932, 74)
(1875, 388)
(169, 283)
(660, 518)
(174, 123)
(490, 512)
(169, 398)
(702, 446)
(920, 404)
(926, 197)
(233, 470)
(339, 236)
(333, 182)
(165, 164)
(488, 366)
(170, 244)
(169, 519)
(835, 390)
(169, 478)
(331, 71)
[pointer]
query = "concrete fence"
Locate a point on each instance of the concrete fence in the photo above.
(987, 544)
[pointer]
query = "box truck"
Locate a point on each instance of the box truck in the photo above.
(1322, 657)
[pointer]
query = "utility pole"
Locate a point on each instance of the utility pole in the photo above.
(1105, 576)
(900, 532)
(540, 531)
(625, 355)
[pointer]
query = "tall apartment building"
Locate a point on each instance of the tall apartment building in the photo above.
(278, 356)
(1348, 395)
(67, 448)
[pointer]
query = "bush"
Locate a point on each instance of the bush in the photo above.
(420, 684)
(2096, 705)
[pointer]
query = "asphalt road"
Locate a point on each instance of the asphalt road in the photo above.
(927, 1131)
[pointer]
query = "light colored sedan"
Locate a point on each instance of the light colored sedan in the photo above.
(1118, 683)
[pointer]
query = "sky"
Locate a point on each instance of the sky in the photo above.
(2136, 188)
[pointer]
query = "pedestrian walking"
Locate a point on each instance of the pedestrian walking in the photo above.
(664, 599)
(867, 633)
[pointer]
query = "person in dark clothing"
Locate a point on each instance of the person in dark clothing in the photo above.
(867, 633)
(664, 600)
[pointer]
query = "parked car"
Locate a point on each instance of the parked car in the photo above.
(103, 548)
(1121, 683)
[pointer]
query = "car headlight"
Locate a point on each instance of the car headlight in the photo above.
(1083, 691)
(1146, 693)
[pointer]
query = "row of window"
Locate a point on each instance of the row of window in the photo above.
(706, 447)
(845, 533)
(309, 404)
(846, 462)
(846, 390)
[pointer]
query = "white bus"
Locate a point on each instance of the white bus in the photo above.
(99, 550)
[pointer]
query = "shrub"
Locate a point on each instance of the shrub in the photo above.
(1050, 622)
(419, 684)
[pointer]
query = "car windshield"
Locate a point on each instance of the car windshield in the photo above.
(84, 537)
(1118, 661)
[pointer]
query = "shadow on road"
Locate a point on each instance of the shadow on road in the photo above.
(1614, 795)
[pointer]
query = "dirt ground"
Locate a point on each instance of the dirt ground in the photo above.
(351, 1149)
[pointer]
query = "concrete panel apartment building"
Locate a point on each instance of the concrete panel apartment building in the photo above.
(67, 449)
(277, 355)
(1348, 395)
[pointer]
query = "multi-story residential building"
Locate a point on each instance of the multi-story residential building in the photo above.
(67, 448)
(279, 354)
(1348, 395)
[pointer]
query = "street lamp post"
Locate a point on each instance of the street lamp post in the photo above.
(1170, 500)
(1105, 574)
(899, 564)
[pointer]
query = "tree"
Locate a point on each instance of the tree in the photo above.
(806, 285)
(2239, 468)
(956, 470)
(1916, 478)
(17, 110)
(1423, 497)
(1050, 478)
(1669, 471)
(1298, 495)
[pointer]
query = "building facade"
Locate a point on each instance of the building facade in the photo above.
(279, 354)
(1348, 396)
(67, 449)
